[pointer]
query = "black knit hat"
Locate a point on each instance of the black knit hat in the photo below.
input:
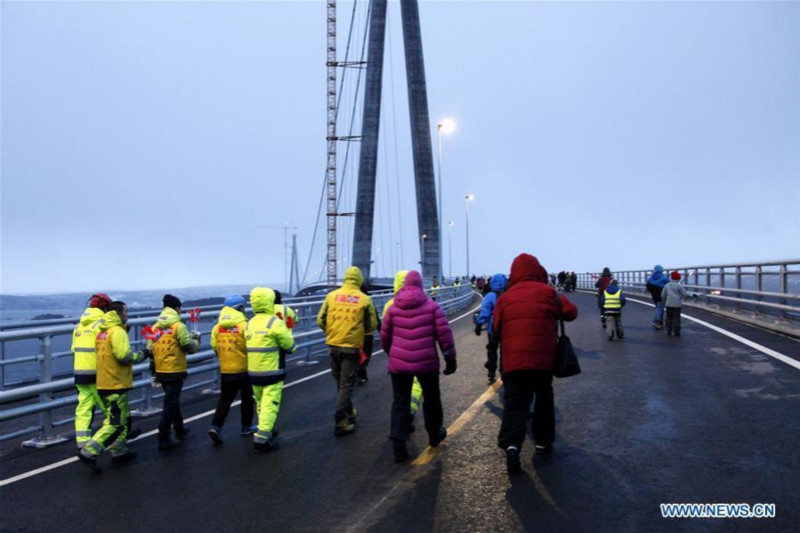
(171, 301)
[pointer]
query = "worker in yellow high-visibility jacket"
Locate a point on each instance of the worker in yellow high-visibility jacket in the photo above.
(268, 341)
(85, 366)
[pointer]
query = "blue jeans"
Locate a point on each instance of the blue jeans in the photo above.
(658, 317)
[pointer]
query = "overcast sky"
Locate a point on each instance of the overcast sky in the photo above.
(144, 143)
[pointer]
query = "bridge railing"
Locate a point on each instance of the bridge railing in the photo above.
(763, 294)
(38, 364)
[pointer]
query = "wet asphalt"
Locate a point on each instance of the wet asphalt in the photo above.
(652, 419)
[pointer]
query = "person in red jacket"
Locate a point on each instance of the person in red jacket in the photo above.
(525, 327)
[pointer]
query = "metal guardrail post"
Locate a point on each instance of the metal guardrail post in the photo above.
(45, 438)
(2, 367)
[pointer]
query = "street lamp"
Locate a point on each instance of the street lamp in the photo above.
(467, 199)
(445, 126)
(422, 250)
(450, 245)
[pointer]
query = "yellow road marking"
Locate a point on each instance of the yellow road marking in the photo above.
(429, 453)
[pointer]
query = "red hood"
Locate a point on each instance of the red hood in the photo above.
(526, 268)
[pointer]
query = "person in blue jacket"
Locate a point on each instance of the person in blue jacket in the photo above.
(655, 284)
(497, 284)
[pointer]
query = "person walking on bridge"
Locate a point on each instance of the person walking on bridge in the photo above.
(172, 341)
(346, 315)
(115, 362)
(673, 294)
(227, 340)
(268, 341)
(416, 388)
(655, 284)
(613, 301)
(411, 330)
(601, 285)
(85, 366)
(498, 285)
(284, 312)
(525, 327)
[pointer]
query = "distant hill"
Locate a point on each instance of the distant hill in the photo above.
(145, 299)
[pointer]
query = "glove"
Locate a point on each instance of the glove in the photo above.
(450, 366)
(478, 330)
(154, 384)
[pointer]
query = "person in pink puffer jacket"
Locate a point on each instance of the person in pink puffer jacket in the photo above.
(411, 329)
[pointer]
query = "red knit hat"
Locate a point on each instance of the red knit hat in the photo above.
(675, 275)
(99, 300)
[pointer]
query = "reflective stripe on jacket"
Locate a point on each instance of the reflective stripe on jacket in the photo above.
(612, 301)
(83, 347)
(268, 340)
(287, 314)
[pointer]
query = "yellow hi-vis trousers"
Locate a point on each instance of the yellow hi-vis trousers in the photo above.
(88, 399)
(416, 396)
(114, 432)
(268, 403)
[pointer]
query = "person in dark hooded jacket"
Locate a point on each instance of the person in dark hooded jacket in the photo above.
(524, 325)
(600, 285)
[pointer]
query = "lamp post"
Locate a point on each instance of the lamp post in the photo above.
(422, 250)
(467, 199)
(450, 245)
(445, 126)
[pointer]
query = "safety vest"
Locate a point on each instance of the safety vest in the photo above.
(168, 355)
(231, 350)
(457, 283)
(287, 314)
(85, 359)
(434, 290)
(612, 301)
(268, 340)
(112, 374)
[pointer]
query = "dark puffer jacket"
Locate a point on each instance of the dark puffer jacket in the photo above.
(525, 317)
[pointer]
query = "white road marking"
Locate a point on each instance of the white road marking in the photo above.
(31, 473)
(763, 349)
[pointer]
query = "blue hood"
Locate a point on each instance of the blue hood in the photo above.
(612, 289)
(498, 282)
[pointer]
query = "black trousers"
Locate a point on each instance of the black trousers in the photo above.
(519, 388)
(171, 416)
(228, 390)
(673, 320)
(401, 404)
(491, 356)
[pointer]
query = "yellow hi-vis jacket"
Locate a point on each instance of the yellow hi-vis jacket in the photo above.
(434, 290)
(83, 346)
(227, 339)
(287, 314)
(174, 342)
(114, 356)
(399, 279)
(268, 340)
(612, 302)
(347, 314)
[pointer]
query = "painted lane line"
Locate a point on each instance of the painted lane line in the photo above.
(763, 349)
(58, 464)
(429, 453)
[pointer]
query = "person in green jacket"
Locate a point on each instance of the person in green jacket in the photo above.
(268, 340)
(85, 366)
(115, 362)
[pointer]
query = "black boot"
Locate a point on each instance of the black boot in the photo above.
(400, 451)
